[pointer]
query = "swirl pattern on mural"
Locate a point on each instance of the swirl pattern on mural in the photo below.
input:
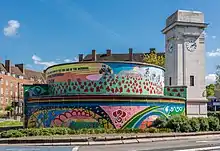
(134, 115)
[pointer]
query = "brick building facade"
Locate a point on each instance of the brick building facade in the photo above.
(12, 77)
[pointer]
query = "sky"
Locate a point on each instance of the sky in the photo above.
(40, 33)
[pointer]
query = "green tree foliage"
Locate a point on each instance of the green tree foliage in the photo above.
(210, 90)
(217, 81)
(9, 108)
(154, 58)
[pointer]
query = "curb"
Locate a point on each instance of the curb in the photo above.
(106, 140)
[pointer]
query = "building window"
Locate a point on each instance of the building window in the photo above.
(6, 91)
(192, 81)
(6, 82)
(11, 84)
(2, 81)
(170, 81)
(2, 91)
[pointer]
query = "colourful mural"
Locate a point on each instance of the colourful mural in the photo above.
(117, 114)
(36, 90)
(176, 91)
(102, 95)
(111, 78)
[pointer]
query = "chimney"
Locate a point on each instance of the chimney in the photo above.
(109, 52)
(21, 67)
(80, 57)
(8, 65)
(93, 55)
(130, 54)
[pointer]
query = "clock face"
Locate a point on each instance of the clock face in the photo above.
(170, 47)
(191, 45)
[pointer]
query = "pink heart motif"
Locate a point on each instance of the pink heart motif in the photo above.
(119, 114)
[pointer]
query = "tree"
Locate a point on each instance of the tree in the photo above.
(217, 81)
(9, 108)
(154, 58)
(210, 90)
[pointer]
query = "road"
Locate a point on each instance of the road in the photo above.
(193, 144)
(33, 148)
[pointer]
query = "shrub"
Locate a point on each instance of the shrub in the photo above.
(12, 133)
(179, 123)
(204, 124)
(65, 131)
(164, 130)
(153, 130)
(215, 114)
(160, 123)
(213, 123)
(195, 124)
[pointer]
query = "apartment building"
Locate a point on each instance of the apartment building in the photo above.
(12, 78)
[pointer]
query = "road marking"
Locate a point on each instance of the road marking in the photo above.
(22, 149)
(75, 148)
(200, 149)
(206, 141)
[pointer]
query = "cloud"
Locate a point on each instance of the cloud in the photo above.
(214, 37)
(38, 61)
(76, 59)
(71, 60)
(210, 79)
(67, 60)
(12, 28)
(36, 58)
(214, 53)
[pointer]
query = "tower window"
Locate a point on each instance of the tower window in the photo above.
(170, 81)
(192, 81)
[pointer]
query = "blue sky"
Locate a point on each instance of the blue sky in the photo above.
(43, 32)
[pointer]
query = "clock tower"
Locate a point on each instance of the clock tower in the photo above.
(185, 58)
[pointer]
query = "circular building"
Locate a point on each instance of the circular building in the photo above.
(105, 78)
(101, 95)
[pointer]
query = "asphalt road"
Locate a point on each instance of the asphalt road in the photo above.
(193, 144)
(34, 148)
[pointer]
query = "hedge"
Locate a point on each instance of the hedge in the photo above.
(160, 125)
(185, 124)
(68, 131)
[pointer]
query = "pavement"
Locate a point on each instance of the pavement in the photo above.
(103, 139)
(202, 143)
(38, 148)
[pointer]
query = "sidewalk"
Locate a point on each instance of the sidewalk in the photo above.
(105, 139)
